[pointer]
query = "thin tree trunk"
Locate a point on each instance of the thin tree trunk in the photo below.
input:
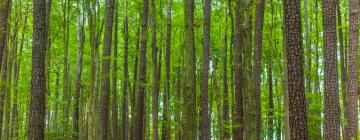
(205, 133)
(226, 120)
(105, 76)
(331, 97)
(38, 82)
(166, 122)
(308, 49)
(7, 99)
(115, 125)
(270, 115)
(133, 96)
(126, 73)
(3, 86)
(81, 40)
(66, 81)
(295, 72)
(352, 104)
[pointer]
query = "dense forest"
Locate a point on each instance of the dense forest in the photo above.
(179, 69)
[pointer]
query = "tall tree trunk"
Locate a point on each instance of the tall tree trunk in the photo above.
(115, 125)
(155, 81)
(205, 133)
(166, 122)
(124, 120)
(7, 99)
(331, 104)
(5, 8)
(90, 99)
(238, 123)
(81, 41)
(38, 81)
(133, 96)
(189, 124)
(342, 64)
(3, 86)
(352, 104)
(285, 91)
(66, 81)
(316, 75)
(257, 64)
(142, 74)
(308, 49)
(295, 72)
(105, 76)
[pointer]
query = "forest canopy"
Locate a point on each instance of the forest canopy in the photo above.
(179, 69)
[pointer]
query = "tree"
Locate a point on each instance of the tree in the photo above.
(4, 15)
(238, 125)
(189, 69)
(139, 126)
(331, 90)
(295, 73)
(115, 125)
(38, 82)
(126, 72)
(257, 64)
(105, 81)
(205, 117)
(352, 104)
(79, 61)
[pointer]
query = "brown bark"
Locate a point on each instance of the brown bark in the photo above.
(352, 104)
(238, 120)
(5, 8)
(226, 119)
(124, 125)
(295, 72)
(139, 135)
(115, 125)
(79, 61)
(257, 64)
(38, 81)
(205, 132)
(3, 86)
(331, 91)
(105, 77)
(270, 115)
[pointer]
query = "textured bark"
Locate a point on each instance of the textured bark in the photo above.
(257, 64)
(295, 72)
(166, 118)
(90, 98)
(115, 125)
(189, 124)
(140, 125)
(308, 49)
(205, 132)
(331, 91)
(285, 91)
(352, 104)
(105, 75)
(3, 86)
(270, 115)
(5, 8)
(38, 81)
(124, 117)
(155, 80)
(79, 61)
(238, 120)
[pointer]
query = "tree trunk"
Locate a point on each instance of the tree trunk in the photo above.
(205, 133)
(308, 49)
(257, 64)
(295, 72)
(105, 76)
(81, 41)
(66, 81)
(5, 8)
(133, 96)
(189, 88)
(124, 120)
(166, 122)
(115, 125)
(238, 123)
(270, 115)
(352, 104)
(331, 97)
(226, 120)
(142, 74)
(7, 99)
(38, 81)
(155, 80)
